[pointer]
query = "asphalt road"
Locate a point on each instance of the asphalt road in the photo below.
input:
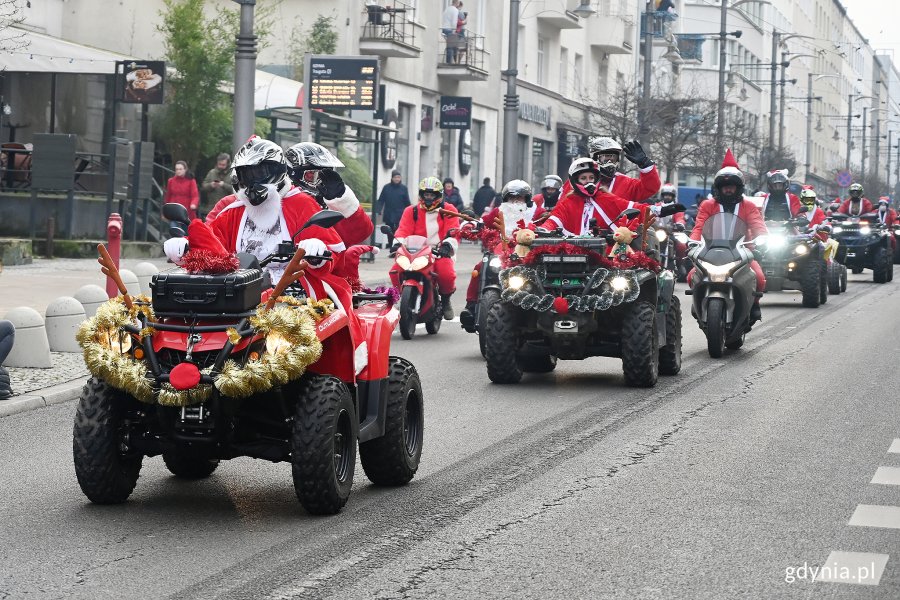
(737, 477)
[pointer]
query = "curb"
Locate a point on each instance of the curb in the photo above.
(56, 394)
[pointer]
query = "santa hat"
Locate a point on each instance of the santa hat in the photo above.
(729, 165)
(206, 254)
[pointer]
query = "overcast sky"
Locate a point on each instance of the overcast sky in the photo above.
(879, 21)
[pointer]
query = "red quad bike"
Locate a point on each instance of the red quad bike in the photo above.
(198, 377)
(420, 301)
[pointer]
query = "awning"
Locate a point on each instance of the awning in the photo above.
(41, 53)
(273, 91)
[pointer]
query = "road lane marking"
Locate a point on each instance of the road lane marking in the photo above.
(870, 515)
(861, 568)
(887, 476)
(895, 446)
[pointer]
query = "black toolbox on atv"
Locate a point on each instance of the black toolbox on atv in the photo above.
(178, 291)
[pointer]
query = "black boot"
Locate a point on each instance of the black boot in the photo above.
(448, 310)
(467, 317)
(755, 313)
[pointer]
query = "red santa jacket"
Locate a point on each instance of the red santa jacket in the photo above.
(745, 209)
(574, 212)
(865, 205)
(888, 217)
(793, 204)
(629, 188)
(433, 226)
(815, 216)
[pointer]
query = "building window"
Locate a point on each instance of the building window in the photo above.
(579, 74)
(446, 151)
(541, 161)
(541, 61)
(524, 154)
(563, 71)
(404, 127)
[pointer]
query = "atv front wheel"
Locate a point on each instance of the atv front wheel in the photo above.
(501, 345)
(323, 444)
(670, 354)
(823, 283)
(407, 317)
(393, 458)
(810, 284)
(189, 467)
(881, 266)
(488, 299)
(715, 327)
(106, 474)
(639, 346)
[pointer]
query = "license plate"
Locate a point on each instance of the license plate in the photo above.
(851, 254)
(565, 327)
(770, 271)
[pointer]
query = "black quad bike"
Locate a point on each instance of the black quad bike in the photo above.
(569, 303)
(206, 371)
(723, 285)
(793, 259)
(864, 244)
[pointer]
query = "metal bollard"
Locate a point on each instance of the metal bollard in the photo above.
(114, 247)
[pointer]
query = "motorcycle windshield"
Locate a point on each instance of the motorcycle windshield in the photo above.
(724, 229)
(415, 243)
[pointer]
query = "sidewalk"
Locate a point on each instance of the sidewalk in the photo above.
(40, 283)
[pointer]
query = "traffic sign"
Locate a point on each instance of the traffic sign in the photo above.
(844, 178)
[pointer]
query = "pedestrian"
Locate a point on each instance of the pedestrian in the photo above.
(449, 21)
(452, 195)
(462, 46)
(483, 197)
(7, 336)
(392, 201)
(182, 189)
(217, 183)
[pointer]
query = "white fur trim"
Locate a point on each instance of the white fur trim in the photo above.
(647, 169)
(334, 297)
(339, 247)
(453, 242)
(347, 204)
(361, 357)
(432, 227)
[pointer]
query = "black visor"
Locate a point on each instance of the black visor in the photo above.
(265, 172)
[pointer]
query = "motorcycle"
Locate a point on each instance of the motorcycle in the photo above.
(420, 300)
(669, 256)
(219, 366)
(723, 285)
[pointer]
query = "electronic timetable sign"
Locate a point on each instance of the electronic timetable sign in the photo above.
(343, 82)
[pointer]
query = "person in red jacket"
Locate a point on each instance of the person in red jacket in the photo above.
(424, 219)
(588, 201)
(607, 153)
(855, 205)
(887, 216)
(182, 189)
(728, 195)
(779, 204)
(549, 194)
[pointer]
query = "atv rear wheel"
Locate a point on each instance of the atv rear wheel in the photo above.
(881, 266)
(407, 317)
(715, 327)
(810, 283)
(639, 346)
(323, 444)
(488, 299)
(189, 467)
(105, 473)
(843, 278)
(670, 354)
(537, 363)
(393, 458)
(834, 278)
(501, 345)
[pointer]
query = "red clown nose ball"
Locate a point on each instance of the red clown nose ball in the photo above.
(184, 376)
(561, 305)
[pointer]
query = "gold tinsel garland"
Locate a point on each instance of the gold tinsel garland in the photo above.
(290, 328)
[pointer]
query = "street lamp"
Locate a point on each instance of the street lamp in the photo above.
(784, 63)
(809, 101)
(584, 10)
(776, 40)
(850, 125)
(245, 77)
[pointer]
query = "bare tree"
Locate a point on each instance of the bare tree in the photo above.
(11, 15)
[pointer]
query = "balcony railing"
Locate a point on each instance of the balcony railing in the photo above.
(462, 57)
(690, 46)
(389, 31)
(659, 22)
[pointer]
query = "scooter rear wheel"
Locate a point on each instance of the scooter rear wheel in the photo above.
(715, 327)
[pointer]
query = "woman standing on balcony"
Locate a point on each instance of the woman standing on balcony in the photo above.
(182, 189)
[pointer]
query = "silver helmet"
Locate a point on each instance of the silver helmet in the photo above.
(599, 146)
(259, 162)
(306, 161)
(517, 187)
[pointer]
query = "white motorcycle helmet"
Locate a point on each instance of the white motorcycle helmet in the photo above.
(668, 189)
(257, 163)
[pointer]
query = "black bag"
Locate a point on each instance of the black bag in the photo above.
(177, 291)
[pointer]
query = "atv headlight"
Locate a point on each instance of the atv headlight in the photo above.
(718, 273)
(495, 263)
(865, 230)
(418, 263)
(619, 283)
(516, 282)
(661, 235)
(776, 241)
(837, 229)
(801, 249)
(403, 262)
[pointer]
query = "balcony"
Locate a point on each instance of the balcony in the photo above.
(612, 34)
(690, 47)
(389, 31)
(462, 58)
(659, 22)
(556, 14)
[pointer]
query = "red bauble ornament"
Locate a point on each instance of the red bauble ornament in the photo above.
(184, 376)
(561, 305)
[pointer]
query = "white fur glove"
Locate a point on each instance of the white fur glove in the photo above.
(312, 248)
(175, 248)
(347, 204)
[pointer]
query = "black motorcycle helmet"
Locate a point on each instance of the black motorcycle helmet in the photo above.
(856, 191)
(777, 182)
(728, 201)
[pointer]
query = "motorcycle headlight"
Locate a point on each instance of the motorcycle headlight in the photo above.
(495, 263)
(403, 262)
(776, 241)
(837, 229)
(801, 249)
(865, 230)
(419, 262)
(516, 282)
(718, 273)
(661, 235)
(619, 283)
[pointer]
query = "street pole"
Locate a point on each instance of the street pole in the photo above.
(876, 163)
(809, 99)
(775, 36)
(244, 76)
(888, 170)
(648, 57)
(862, 170)
(511, 99)
(720, 112)
(849, 129)
(781, 107)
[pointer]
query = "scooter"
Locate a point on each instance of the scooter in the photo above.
(420, 301)
(723, 285)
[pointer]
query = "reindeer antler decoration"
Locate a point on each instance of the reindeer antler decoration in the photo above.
(649, 219)
(450, 213)
(109, 269)
(294, 269)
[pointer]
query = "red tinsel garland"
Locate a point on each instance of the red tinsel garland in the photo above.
(205, 261)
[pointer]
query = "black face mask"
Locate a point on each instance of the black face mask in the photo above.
(257, 194)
